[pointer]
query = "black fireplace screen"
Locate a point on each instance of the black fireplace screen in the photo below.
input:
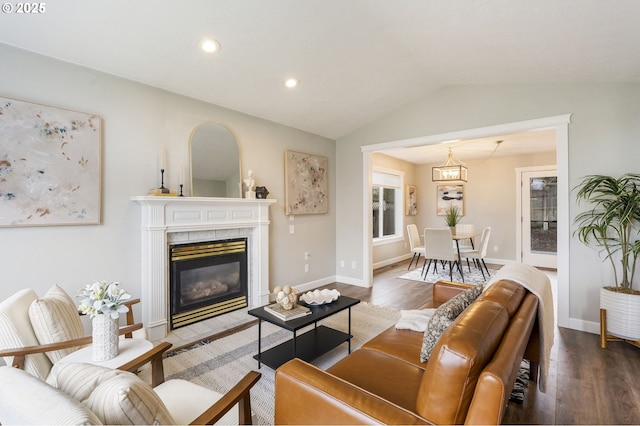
(207, 279)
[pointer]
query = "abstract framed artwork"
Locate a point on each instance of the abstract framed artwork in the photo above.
(450, 195)
(306, 183)
(50, 166)
(411, 200)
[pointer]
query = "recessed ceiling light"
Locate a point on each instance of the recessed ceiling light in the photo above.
(210, 45)
(290, 83)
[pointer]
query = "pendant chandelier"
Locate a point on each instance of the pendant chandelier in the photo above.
(449, 171)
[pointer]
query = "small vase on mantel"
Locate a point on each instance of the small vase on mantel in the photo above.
(105, 337)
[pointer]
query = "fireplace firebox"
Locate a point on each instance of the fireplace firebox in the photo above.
(207, 279)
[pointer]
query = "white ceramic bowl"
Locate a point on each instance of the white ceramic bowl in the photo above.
(320, 297)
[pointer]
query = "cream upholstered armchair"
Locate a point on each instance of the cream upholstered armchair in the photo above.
(36, 332)
(78, 393)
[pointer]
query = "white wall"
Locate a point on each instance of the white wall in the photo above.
(603, 138)
(137, 120)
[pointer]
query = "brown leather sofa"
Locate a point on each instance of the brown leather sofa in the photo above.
(467, 379)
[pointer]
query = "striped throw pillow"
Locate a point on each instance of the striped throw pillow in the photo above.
(55, 318)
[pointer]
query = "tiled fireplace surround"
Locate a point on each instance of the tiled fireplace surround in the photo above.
(177, 220)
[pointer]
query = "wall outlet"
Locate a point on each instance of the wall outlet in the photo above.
(292, 229)
(495, 249)
(342, 263)
(353, 264)
(306, 267)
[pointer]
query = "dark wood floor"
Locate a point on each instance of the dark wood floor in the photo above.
(586, 384)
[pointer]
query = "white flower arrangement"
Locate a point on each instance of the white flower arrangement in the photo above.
(102, 298)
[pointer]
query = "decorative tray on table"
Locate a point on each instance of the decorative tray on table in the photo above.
(320, 297)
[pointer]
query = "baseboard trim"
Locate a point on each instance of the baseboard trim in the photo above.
(311, 285)
(586, 326)
(391, 261)
(350, 280)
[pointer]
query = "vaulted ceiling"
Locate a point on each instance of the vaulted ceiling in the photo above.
(356, 60)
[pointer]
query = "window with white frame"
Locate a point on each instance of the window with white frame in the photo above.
(387, 204)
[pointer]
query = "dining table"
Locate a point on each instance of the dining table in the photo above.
(457, 237)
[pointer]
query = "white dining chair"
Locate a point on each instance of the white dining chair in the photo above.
(466, 229)
(480, 253)
(417, 248)
(438, 248)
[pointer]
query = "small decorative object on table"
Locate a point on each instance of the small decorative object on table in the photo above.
(320, 297)
(286, 296)
(103, 302)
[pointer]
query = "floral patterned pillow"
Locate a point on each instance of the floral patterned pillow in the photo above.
(444, 317)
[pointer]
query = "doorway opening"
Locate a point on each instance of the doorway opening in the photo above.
(558, 123)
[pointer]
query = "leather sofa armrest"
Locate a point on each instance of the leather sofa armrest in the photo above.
(445, 290)
(304, 394)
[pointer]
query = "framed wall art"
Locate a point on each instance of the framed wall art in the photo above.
(306, 183)
(450, 195)
(50, 166)
(411, 200)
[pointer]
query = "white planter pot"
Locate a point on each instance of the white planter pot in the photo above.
(623, 313)
(105, 337)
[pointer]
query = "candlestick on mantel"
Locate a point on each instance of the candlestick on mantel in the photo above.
(181, 175)
(162, 188)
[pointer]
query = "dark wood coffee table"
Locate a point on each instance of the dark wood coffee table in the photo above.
(309, 345)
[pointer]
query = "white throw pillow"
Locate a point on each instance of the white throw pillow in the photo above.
(16, 332)
(55, 318)
(114, 396)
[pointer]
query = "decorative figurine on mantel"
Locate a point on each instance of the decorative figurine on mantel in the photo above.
(261, 192)
(249, 183)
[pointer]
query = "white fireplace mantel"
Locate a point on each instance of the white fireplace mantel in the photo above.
(173, 220)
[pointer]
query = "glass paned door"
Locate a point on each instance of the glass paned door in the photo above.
(540, 218)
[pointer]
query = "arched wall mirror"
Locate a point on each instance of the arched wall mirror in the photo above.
(215, 162)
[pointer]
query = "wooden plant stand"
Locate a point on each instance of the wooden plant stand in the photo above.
(605, 337)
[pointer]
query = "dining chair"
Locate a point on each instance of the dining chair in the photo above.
(466, 229)
(480, 253)
(438, 248)
(416, 245)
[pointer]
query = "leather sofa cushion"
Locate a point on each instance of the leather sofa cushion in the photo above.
(509, 294)
(457, 360)
(401, 344)
(387, 377)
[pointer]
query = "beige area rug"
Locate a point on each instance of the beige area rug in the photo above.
(473, 277)
(220, 364)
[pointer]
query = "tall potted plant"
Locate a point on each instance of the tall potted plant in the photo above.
(612, 225)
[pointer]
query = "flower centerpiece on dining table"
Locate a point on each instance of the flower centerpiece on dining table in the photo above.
(103, 302)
